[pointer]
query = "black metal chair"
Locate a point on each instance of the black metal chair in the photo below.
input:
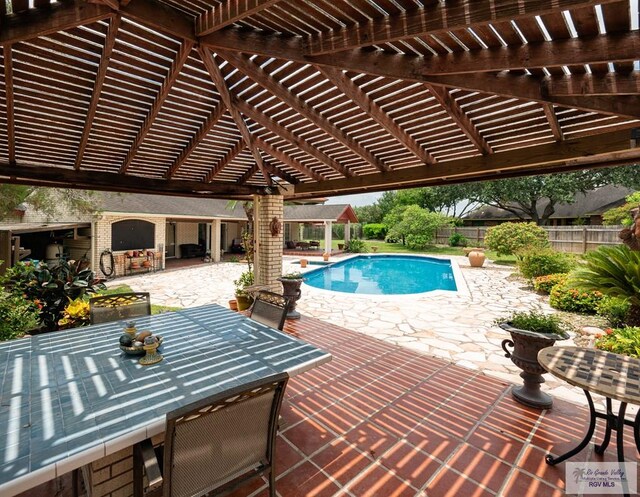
(214, 445)
(107, 308)
(269, 308)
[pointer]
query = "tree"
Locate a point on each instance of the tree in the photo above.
(369, 214)
(536, 197)
(623, 214)
(416, 225)
(51, 201)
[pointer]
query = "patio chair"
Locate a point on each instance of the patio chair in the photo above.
(214, 445)
(269, 308)
(107, 308)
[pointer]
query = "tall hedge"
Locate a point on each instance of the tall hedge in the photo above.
(374, 230)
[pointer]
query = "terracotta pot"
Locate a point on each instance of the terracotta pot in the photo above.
(233, 304)
(325, 256)
(476, 258)
(303, 262)
(525, 346)
(146, 263)
(135, 265)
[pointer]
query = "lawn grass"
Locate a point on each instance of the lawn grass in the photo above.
(398, 248)
(155, 308)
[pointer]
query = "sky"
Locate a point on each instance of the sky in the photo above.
(355, 200)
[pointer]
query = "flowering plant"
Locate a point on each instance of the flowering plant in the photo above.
(624, 341)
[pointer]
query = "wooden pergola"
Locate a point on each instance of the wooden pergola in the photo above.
(233, 98)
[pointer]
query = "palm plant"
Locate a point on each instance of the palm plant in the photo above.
(614, 271)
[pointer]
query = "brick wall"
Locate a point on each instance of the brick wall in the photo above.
(103, 242)
(268, 255)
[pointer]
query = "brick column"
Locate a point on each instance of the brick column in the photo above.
(268, 248)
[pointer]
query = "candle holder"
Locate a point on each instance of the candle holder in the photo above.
(152, 356)
(131, 329)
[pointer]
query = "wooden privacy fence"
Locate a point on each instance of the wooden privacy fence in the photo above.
(574, 239)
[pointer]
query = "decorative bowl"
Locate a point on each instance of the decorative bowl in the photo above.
(139, 350)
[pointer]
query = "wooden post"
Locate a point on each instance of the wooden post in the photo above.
(478, 235)
(15, 254)
(5, 251)
(584, 240)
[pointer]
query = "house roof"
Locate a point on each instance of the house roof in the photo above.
(594, 202)
(203, 208)
(228, 99)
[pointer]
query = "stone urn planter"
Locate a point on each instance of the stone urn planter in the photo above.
(325, 256)
(243, 301)
(291, 290)
(525, 346)
(476, 258)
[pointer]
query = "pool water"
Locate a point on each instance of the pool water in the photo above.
(384, 275)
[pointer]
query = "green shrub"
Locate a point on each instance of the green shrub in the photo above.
(624, 341)
(511, 238)
(391, 239)
(52, 288)
(544, 284)
(534, 263)
(535, 321)
(17, 315)
(614, 271)
(614, 309)
(564, 297)
(458, 240)
(374, 231)
(356, 246)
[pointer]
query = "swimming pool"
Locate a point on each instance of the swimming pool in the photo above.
(384, 275)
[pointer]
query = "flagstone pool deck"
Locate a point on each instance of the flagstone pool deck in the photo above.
(455, 326)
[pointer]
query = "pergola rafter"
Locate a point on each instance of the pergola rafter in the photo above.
(109, 43)
(433, 19)
(9, 103)
(230, 101)
(360, 98)
(113, 90)
(163, 93)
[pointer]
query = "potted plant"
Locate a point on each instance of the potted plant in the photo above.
(244, 299)
(531, 332)
(291, 289)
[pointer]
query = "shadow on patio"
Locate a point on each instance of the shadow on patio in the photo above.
(381, 420)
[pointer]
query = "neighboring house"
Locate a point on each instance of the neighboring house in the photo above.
(157, 227)
(587, 209)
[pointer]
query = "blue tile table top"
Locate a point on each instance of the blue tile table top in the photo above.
(70, 397)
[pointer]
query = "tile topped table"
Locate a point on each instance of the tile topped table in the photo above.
(615, 376)
(71, 397)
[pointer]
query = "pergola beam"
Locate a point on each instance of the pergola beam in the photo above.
(409, 68)
(163, 93)
(109, 43)
(288, 160)
(94, 180)
(264, 79)
(600, 49)
(229, 12)
(612, 146)
(552, 119)
(362, 100)
(9, 102)
(444, 98)
(230, 101)
(593, 84)
(436, 18)
(212, 119)
(56, 17)
(276, 171)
